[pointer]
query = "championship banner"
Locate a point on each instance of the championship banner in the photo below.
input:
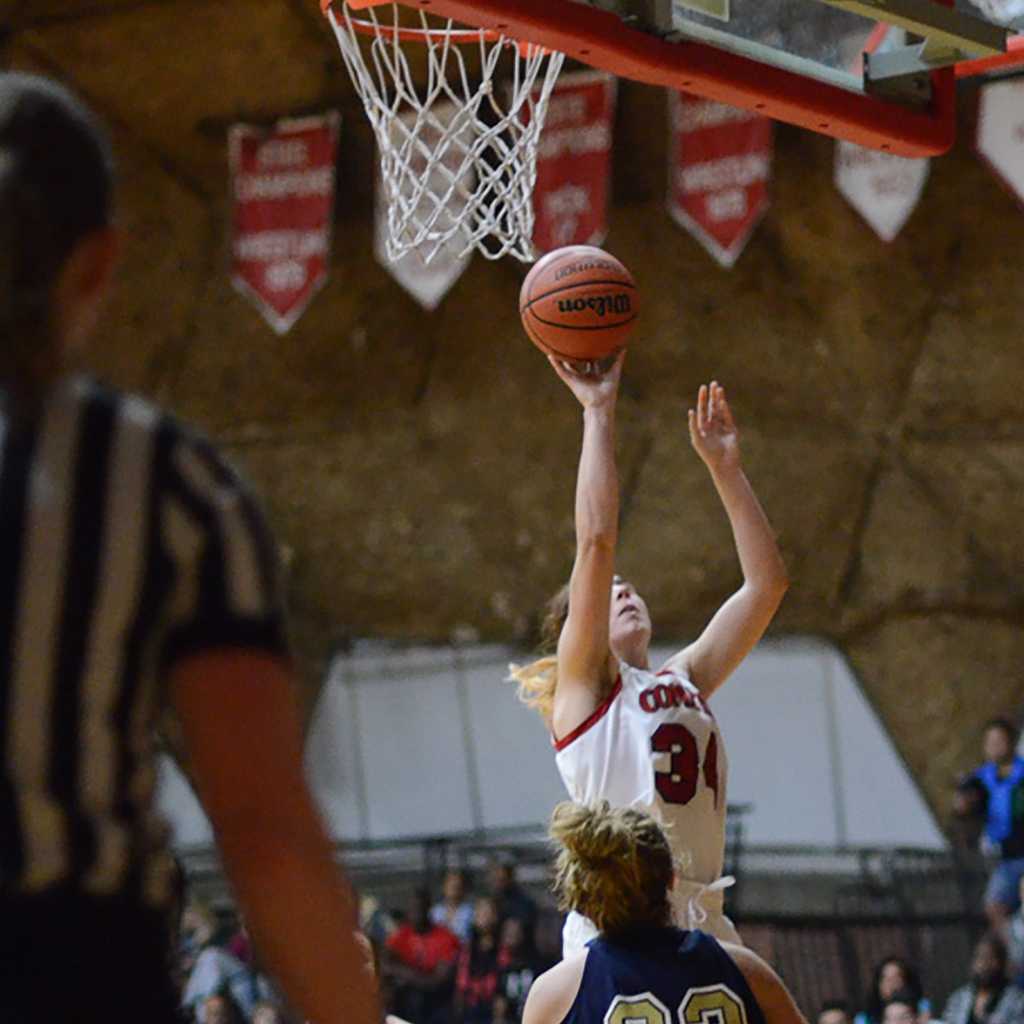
(574, 162)
(427, 282)
(720, 159)
(882, 187)
(1000, 137)
(282, 180)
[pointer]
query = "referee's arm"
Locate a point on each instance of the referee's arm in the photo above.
(242, 731)
(227, 662)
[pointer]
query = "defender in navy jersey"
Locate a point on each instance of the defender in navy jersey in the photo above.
(622, 731)
(136, 573)
(616, 868)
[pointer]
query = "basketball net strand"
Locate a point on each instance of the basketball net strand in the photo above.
(457, 164)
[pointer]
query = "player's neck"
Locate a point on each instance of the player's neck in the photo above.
(634, 657)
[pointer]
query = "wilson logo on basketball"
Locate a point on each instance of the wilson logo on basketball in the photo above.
(599, 304)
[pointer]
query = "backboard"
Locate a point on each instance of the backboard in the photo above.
(797, 61)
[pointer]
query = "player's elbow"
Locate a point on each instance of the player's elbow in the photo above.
(596, 543)
(769, 588)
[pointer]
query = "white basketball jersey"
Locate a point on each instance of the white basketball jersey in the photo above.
(654, 744)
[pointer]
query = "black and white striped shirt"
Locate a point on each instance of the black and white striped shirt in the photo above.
(126, 543)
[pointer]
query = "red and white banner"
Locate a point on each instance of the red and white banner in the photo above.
(283, 184)
(1000, 138)
(574, 162)
(882, 187)
(720, 160)
(427, 282)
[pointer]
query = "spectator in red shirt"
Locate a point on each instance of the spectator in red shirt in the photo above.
(419, 963)
(477, 981)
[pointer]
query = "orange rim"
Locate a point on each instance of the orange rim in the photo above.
(403, 34)
(1014, 57)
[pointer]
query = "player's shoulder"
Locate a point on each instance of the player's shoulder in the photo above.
(759, 975)
(553, 993)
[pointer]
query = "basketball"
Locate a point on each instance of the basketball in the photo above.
(579, 303)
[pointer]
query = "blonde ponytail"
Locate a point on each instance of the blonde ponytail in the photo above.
(536, 682)
(614, 866)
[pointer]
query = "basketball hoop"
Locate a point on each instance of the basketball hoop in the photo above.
(458, 151)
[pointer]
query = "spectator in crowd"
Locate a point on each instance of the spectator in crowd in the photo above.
(891, 975)
(510, 897)
(220, 1008)
(267, 1012)
(453, 910)
(835, 1011)
(218, 972)
(374, 921)
(518, 968)
(547, 939)
(988, 998)
(994, 792)
(902, 1008)
(1015, 942)
(476, 983)
(240, 945)
(419, 964)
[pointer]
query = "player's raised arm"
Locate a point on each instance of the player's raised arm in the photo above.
(738, 625)
(583, 652)
(776, 1003)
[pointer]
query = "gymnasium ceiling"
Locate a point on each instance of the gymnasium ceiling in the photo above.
(419, 468)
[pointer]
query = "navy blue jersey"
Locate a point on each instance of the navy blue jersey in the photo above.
(662, 976)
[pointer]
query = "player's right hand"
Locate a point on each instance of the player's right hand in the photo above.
(591, 390)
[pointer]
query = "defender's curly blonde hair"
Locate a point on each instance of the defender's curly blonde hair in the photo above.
(614, 866)
(536, 682)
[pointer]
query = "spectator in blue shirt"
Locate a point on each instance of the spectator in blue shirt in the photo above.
(995, 792)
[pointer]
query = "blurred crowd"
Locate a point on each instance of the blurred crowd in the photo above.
(988, 809)
(469, 957)
(468, 953)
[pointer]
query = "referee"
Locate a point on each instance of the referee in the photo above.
(135, 572)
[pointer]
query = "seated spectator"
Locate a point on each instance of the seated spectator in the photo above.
(994, 792)
(220, 1008)
(217, 972)
(835, 1011)
(418, 964)
(518, 968)
(454, 910)
(902, 1008)
(240, 945)
(891, 975)
(1015, 943)
(547, 939)
(377, 924)
(476, 983)
(198, 927)
(988, 998)
(267, 1013)
(509, 896)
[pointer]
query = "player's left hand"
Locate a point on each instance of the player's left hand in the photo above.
(713, 433)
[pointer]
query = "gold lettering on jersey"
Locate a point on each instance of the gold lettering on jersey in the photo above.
(712, 1004)
(645, 1008)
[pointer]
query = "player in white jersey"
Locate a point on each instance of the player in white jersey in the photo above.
(623, 732)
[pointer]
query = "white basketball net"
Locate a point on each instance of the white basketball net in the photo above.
(1003, 12)
(458, 151)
